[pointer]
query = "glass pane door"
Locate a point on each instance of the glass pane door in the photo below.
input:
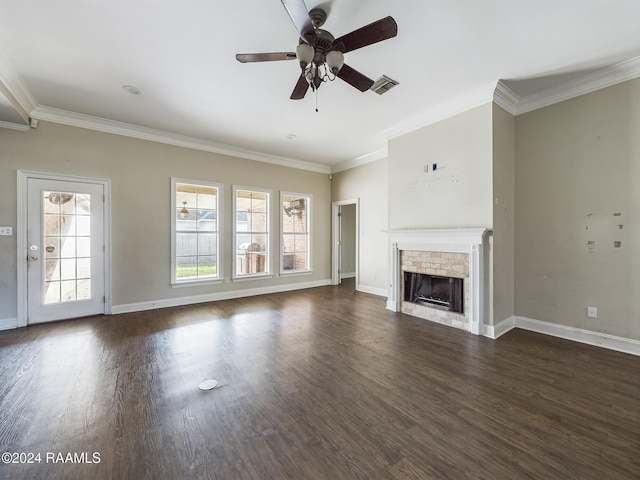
(65, 249)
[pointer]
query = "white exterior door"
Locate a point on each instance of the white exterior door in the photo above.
(65, 249)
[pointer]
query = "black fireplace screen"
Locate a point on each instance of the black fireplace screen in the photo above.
(445, 293)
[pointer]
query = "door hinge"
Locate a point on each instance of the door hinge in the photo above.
(104, 299)
(339, 214)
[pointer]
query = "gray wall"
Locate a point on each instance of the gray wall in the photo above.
(577, 168)
(503, 215)
(369, 184)
(459, 192)
(140, 173)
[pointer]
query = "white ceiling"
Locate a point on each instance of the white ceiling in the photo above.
(69, 57)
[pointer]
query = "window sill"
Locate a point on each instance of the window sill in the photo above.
(197, 283)
(257, 276)
(289, 273)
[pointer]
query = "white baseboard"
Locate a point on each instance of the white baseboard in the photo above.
(8, 323)
(495, 331)
(382, 292)
(348, 275)
(604, 340)
(213, 297)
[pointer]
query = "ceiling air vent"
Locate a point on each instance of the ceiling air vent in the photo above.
(383, 84)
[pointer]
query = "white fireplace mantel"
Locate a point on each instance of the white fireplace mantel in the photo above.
(455, 240)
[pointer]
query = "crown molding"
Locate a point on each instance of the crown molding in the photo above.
(498, 93)
(506, 98)
(16, 86)
(14, 126)
(587, 83)
(18, 89)
(472, 99)
(89, 122)
(363, 160)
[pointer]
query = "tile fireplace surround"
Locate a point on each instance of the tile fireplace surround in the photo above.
(455, 252)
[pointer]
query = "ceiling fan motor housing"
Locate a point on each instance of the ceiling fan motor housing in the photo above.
(324, 41)
(318, 16)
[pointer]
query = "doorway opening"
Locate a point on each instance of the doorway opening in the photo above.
(345, 251)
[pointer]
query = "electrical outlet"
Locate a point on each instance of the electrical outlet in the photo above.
(592, 312)
(6, 231)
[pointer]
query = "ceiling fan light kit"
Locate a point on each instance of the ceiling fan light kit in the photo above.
(320, 55)
(317, 67)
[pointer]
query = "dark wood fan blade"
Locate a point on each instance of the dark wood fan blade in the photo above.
(383, 29)
(299, 14)
(265, 57)
(300, 89)
(355, 78)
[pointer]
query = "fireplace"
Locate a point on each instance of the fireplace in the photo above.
(442, 254)
(446, 293)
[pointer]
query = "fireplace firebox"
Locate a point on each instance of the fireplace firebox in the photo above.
(445, 293)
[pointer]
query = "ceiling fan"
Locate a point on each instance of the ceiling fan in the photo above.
(320, 54)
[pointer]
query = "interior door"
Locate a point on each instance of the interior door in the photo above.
(65, 249)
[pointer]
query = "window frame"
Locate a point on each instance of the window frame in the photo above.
(210, 280)
(268, 273)
(309, 208)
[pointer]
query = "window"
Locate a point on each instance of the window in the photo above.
(195, 220)
(295, 243)
(251, 242)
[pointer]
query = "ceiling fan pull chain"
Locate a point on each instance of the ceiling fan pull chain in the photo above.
(316, 100)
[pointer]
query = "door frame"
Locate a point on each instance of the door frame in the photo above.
(335, 236)
(21, 236)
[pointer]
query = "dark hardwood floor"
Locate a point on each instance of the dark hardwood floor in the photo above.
(317, 384)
